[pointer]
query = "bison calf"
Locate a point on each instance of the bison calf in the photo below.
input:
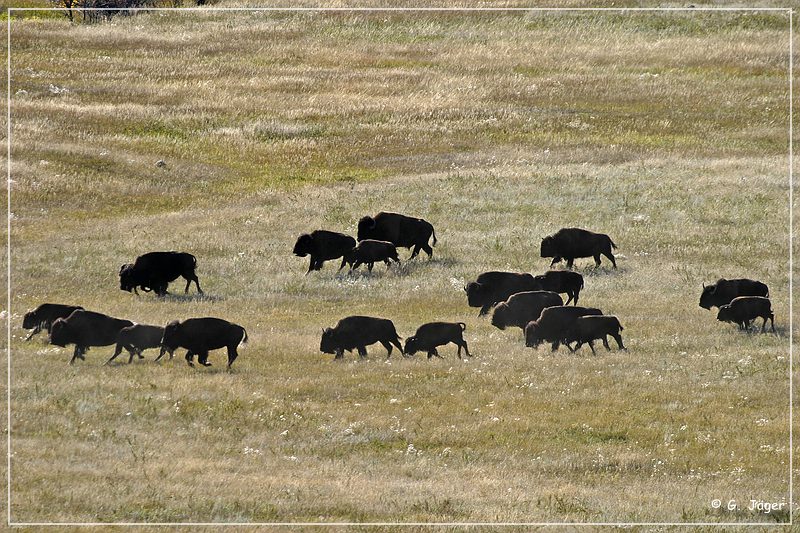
(85, 329)
(725, 290)
(562, 282)
(745, 309)
(554, 323)
(572, 243)
(43, 317)
(358, 332)
(323, 245)
(493, 287)
(587, 329)
(137, 338)
(368, 252)
(155, 270)
(201, 335)
(523, 307)
(429, 336)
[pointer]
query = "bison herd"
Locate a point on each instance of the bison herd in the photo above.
(522, 300)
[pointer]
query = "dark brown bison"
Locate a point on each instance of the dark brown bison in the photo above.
(201, 335)
(358, 332)
(572, 243)
(433, 334)
(562, 282)
(368, 252)
(137, 338)
(523, 307)
(554, 323)
(43, 317)
(587, 329)
(85, 329)
(494, 287)
(155, 270)
(745, 309)
(724, 290)
(400, 230)
(323, 245)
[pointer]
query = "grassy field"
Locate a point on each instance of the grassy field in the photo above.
(666, 131)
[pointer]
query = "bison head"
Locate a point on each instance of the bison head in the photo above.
(170, 340)
(59, 333)
(29, 320)
(474, 292)
(127, 278)
(366, 228)
(303, 245)
(328, 342)
(532, 338)
(725, 314)
(412, 346)
(500, 316)
(548, 247)
(707, 300)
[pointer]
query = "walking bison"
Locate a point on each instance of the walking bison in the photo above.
(401, 230)
(323, 245)
(358, 332)
(201, 335)
(573, 243)
(155, 270)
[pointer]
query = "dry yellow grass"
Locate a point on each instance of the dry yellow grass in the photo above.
(666, 131)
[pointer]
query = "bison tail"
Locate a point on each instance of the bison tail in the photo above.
(433, 232)
(612, 243)
(463, 326)
(244, 338)
(621, 328)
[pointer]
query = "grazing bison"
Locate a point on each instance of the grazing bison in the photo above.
(562, 282)
(85, 329)
(359, 332)
(523, 307)
(433, 334)
(368, 252)
(400, 230)
(136, 339)
(155, 270)
(323, 245)
(724, 290)
(493, 287)
(744, 309)
(43, 317)
(572, 243)
(201, 335)
(587, 329)
(554, 323)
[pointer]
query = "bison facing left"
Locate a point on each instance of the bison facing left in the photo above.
(401, 230)
(358, 332)
(201, 335)
(85, 329)
(155, 270)
(322, 245)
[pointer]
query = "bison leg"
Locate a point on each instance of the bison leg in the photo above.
(362, 352)
(591, 345)
(78, 353)
(190, 277)
(117, 351)
(357, 263)
(132, 350)
(344, 262)
(339, 354)
(36, 330)
(202, 358)
(575, 297)
(556, 259)
(610, 257)
(605, 343)
(369, 267)
(466, 349)
(484, 309)
(555, 345)
(414, 251)
(772, 321)
(570, 261)
(162, 352)
(232, 355)
(618, 338)
(190, 358)
(428, 250)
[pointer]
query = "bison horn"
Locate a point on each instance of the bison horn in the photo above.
(704, 285)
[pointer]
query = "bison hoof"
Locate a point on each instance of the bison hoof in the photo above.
(205, 364)
(190, 364)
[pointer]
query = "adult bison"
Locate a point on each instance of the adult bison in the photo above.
(358, 332)
(494, 287)
(562, 282)
(588, 329)
(400, 230)
(554, 324)
(323, 245)
(155, 270)
(201, 335)
(523, 307)
(85, 329)
(572, 243)
(725, 290)
(43, 317)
